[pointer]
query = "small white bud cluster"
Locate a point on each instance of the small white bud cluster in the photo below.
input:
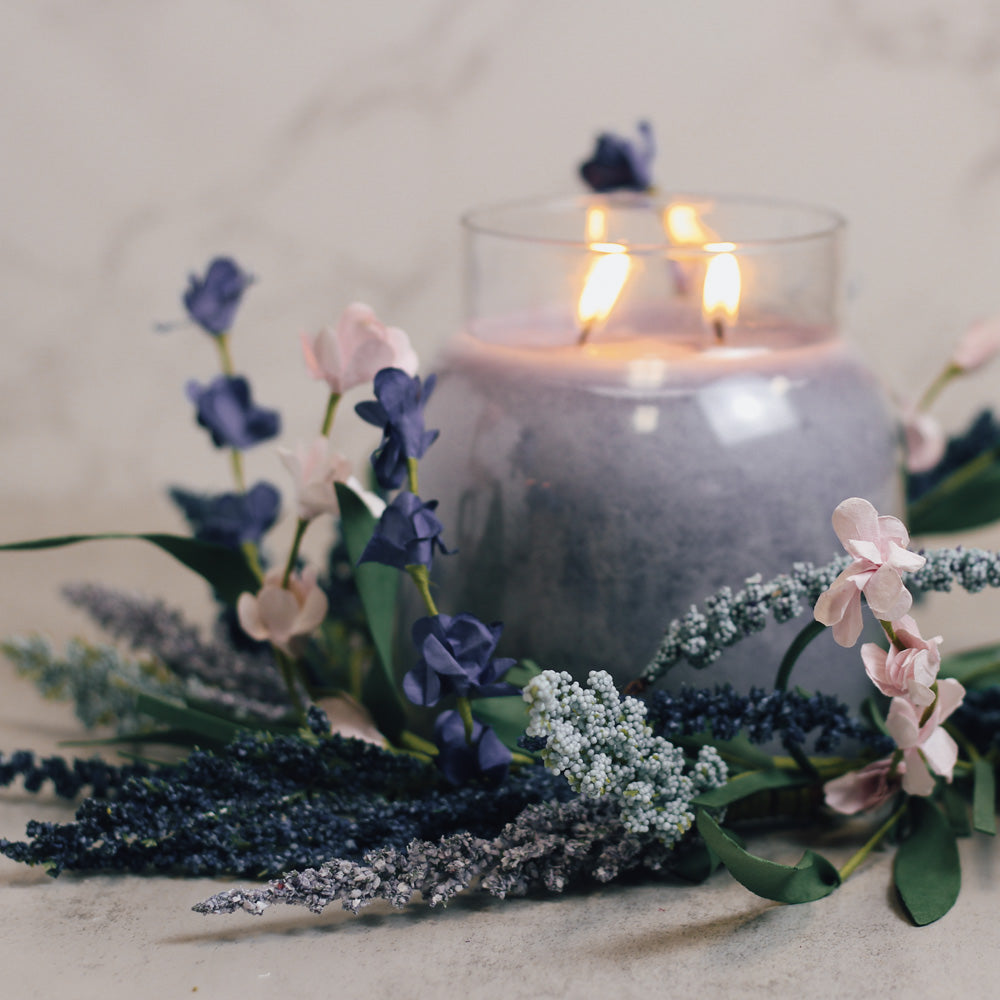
(602, 744)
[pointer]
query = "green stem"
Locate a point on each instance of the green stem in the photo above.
(421, 577)
(225, 355)
(889, 631)
(236, 463)
(411, 475)
(934, 389)
(300, 530)
(331, 409)
(872, 842)
(288, 672)
(410, 741)
(464, 707)
(795, 650)
(954, 482)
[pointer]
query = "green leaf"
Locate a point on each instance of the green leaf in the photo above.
(926, 870)
(694, 861)
(377, 586)
(177, 715)
(749, 783)
(812, 878)
(984, 797)
(508, 716)
(956, 811)
(522, 672)
(227, 570)
(968, 498)
(979, 667)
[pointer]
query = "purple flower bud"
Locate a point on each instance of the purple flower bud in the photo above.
(400, 413)
(456, 658)
(230, 519)
(212, 301)
(227, 412)
(618, 164)
(460, 761)
(406, 535)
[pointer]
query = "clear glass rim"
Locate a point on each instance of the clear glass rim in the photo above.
(487, 220)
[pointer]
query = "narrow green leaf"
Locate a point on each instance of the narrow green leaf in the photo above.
(795, 650)
(177, 715)
(226, 570)
(749, 783)
(968, 498)
(508, 716)
(522, 672)
(984, 797)
(956, 811)
(812, 878)
(926, 870)
(979, 667)
(694, 861)
(377, 586)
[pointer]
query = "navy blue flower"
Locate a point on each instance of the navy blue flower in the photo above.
(456, 658)
(230, 519)
(618, 164)
(400, 413)
(461, 761)
(226, 410)
(212, 301)
(406, 534)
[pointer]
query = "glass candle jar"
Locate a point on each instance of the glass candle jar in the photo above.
(650, 400)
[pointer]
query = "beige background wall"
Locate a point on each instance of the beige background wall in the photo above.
(331, 146)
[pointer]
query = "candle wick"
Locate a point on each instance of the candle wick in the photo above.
(720, 330)
(585, 332)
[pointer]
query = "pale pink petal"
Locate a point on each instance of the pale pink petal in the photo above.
(311, 614)
(309, 353)
(833, 603)
(351, 719)
(903, 723)
(950, 696)
(404, 356)
(855, 518)
(863, 789)
(903, 559)
(249, 618)
(864, 551)
(920, 694)
(891, 529)
(277, 609)
(925, 441)
(874, 658)
(978, 345)
(848, 629)
(941, 752)
(917, 780)
(886, 595)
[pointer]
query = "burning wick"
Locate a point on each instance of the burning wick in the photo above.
(721, 296)
(605, 280)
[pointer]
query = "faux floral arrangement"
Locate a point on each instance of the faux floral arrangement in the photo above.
(302, 765)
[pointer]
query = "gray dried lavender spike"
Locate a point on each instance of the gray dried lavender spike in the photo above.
(549, 846)
(701, 635)
(151, 626)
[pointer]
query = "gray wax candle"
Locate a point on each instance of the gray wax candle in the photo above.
(596, 494)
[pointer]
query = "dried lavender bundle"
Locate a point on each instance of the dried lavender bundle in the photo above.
(549, 846)
(151, 626)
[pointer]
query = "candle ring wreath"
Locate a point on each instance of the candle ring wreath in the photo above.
(301, 765)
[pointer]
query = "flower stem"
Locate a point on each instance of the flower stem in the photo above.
(300, 530)
(872, 842)
(464, 707)
(421, 577)
(225, 355)
(288, 672)
(889, 631)
(331, 409)
(411, 475)
(795, 650)
(934, 389)
(236, 463)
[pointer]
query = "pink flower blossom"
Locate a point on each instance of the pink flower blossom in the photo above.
(878, 545)
(359, 347)
(350, 718)
(910, 666)
(978, 345)
(926, 747)
(276, 614)
(864, 789)
(925, 440)
(315, 472)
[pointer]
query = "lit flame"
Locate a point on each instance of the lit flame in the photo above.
(721, 297)
(596, 225)
(684, 227)
(604, 283)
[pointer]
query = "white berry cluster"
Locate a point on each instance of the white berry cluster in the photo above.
(602, 744)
